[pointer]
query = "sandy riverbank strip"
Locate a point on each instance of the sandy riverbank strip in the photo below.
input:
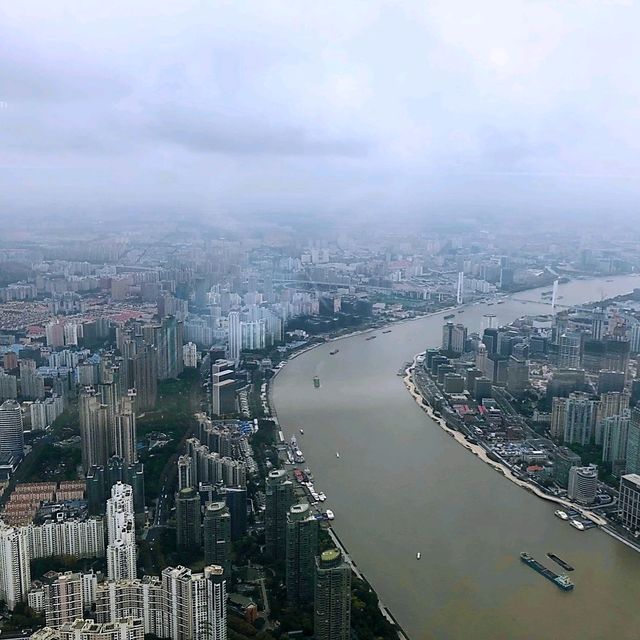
(481, 453)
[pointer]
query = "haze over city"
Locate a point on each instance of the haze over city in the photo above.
(361, 110)
(319, 321)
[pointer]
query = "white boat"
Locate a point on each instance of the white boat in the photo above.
(322, 497)
(330, 515)
(337, 455)
(418, 555)
(577, 524)
(301, 432)
(561, 514)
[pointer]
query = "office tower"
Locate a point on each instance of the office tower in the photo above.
(11, 432)
(583, 484)
(126, 629)
(629, 502)
(216, 532)
(633, 444)
(94, 430)
(302, 547)
(564, 382)
(188, 521)
(223, 398)
(185, 478)
(609, 381)
(15, 571)
(62, 598)
(332, 597)
(124, 435)
(615, 434)
(580, 419)
(121, 548)
(563, 460)
(195, 603)
(611, 404)
(569, 347)
(236, 501)
(235, 335)
(454, 337)
(8, 387)
(517, 376)
(279, 498)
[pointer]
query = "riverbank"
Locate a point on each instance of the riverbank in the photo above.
(481, 453)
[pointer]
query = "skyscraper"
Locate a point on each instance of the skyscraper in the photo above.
(15, 571)
(615, 435)
(569, 346)
(583, 484)
(11, 431)
(302, 546)
(188, 521)
(121, 547)
(124, 434)
(633, 444)
(185, 472)
(216, 531)
(332, 597)
(629, 501)
(235, 335)
(94, 430)
(279, 498)
(580, 419)
(195, 603)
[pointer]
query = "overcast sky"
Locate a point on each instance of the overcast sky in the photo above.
(340, 108)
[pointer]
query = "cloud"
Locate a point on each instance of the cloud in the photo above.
(357, 107)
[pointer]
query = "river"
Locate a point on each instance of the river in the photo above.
(402, 485)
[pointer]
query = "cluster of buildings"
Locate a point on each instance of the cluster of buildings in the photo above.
(322, 579)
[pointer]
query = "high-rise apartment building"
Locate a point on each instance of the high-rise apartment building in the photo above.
(15, 571)
(454, 337)
(121, 547)
(633, 444)
(612, 403)
(615, 435)
(11, 430)
(279, 498)
(302, 547)
(580, 419)
(332, 597)
(216, 533)
(62, 598)
(569, 347)
(126, 629)
(188, 519)
(195, 603)
(124, 434)
(94, 429)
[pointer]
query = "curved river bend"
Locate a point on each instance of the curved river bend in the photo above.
(402, 485)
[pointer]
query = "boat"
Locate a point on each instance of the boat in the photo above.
(461, 311)
(560, 581)
(330, 515)
(301, 431)
(370, 337)
(451, 315)
(387, 331)
(316, 382)
(333, 353)
(577, 524)
(489, 304)
(337, 455)
(561, 514)
(418, 555)
(322, 497)
(565, 565)
(500, 302)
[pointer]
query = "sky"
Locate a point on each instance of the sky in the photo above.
(361, 111)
